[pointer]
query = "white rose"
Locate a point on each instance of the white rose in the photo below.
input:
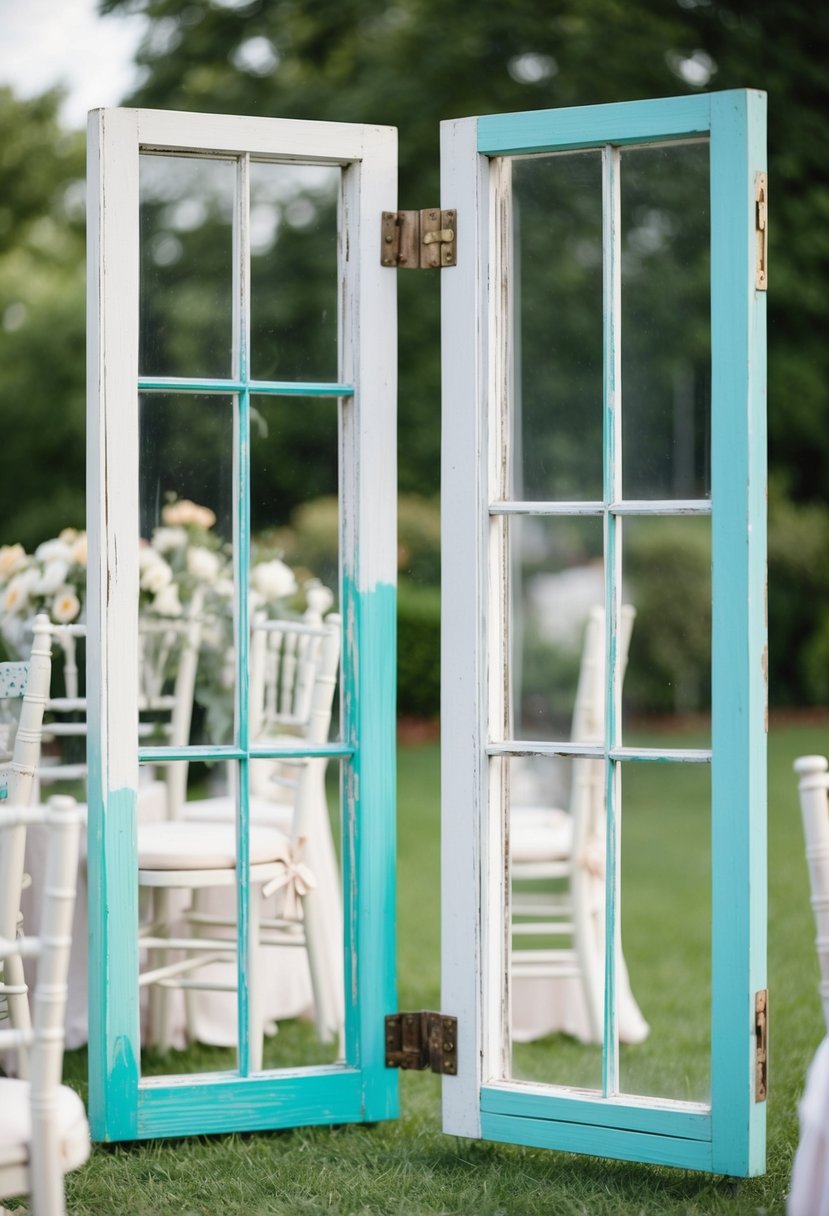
(166, 602)
(53, 577)
(16, 595)
(54, 550)
(79, 549)
(65, 607)
(185, 512)
(202, 564)
(274, 580)
(165, 539)
(12, 557)
(157, 575)
(223, 587)
(28, 578)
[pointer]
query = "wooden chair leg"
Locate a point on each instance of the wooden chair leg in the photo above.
(17, 1001)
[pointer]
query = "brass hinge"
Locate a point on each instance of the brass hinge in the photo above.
(418, 239)
(422, 1040)
(761, 202)
(761, 1032)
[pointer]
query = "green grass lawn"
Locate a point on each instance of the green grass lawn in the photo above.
(410, 1166)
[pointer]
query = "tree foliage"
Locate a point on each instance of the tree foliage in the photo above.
(409, 64)
(42, 319)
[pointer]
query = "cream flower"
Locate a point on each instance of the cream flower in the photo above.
(68, 535)
(223, 587)
(147, 556)
(166, 602)
(156, 576)
(185, 512)
(202, 564)
(16, 596)
(79, 549)
(54, 550)
(65, 606)
(12, 557)
(53, 576)
(273, 580)
(165, 539)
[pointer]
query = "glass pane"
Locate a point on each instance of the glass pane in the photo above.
(293, 235)
(301, 1026)
(295, 521)
(666, 928)
(557, 424)
(186, 266)
(666, 331)
(557, 628)
(667, 579)
(185, 567)
(556, 817)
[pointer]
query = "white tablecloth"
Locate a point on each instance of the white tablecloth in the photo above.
(287, 984)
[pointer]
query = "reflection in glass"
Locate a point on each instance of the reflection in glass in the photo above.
(185, 569)
(555, 810)
(666, 332)
(294, 478)
(667, 576)
(308, 1014)
(557, 425)
(295, 519)
(666, 923)
(186, 266)
(557, 582)
(293, 234)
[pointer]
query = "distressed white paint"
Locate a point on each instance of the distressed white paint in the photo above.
(465, 187)
(275, 138)
(729, 1138)
(368, 491)
(112, 448)
(368, 360)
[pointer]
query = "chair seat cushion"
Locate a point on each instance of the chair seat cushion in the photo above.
(540, 834)
(204, 846)
(222, 809)
(16, 1125)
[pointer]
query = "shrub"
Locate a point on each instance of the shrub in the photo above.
(418, 650)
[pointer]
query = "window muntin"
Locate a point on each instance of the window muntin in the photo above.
(667, 486)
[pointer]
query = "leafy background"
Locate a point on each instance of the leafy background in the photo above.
(411, 63)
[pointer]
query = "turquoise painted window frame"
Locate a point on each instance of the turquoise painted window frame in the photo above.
(122, 1104)
(727, 1136)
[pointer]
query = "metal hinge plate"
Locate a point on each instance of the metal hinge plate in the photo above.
(422, 1040)
(416, 240)
(761, 1032)
(761, 202)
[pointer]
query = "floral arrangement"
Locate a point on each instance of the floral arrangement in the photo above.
(50, 580)
(184, 554)
(183, 567)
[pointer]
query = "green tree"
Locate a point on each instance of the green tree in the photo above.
(42, 319)
(409, 64)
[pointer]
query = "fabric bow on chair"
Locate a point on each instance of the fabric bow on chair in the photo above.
(296, 880)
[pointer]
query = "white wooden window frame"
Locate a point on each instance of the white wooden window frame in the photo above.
(727, 1136)
(122, 1105)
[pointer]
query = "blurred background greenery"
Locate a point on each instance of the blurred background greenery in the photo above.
(411, 63)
